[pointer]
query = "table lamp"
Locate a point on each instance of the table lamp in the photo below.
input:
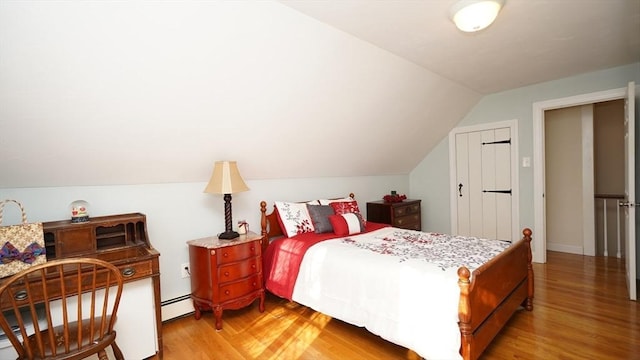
(226, 180)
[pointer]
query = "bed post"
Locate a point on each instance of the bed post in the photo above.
(263, 225)
(464, 313)
(528, 302)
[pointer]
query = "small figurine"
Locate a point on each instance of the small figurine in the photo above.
(243, 227)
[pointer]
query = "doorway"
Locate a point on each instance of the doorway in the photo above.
(584, 178)
(539, 109)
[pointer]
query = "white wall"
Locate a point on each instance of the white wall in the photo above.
(180, 212)
(563, 179)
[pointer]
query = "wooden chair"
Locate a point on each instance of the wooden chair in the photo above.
(51, 291)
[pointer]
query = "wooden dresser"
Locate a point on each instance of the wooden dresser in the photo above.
(121, 240)
(226, 274)
(405, 214)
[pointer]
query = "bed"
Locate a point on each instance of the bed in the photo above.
(437, 308)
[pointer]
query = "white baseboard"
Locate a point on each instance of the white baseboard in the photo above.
(177, 307)
(571, 249)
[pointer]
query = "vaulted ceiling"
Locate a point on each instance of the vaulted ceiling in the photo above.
(100, 93)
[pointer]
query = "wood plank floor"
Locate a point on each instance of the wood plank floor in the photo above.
(581, 311)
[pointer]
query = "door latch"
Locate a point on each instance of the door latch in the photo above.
(628, 204)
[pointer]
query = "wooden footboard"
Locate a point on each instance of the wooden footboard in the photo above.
(490, 296)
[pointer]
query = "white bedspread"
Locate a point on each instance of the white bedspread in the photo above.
(384, 282)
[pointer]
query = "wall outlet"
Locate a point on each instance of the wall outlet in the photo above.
(185, 270)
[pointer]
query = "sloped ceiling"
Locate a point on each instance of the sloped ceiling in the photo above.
(531, 41)
(100, 93)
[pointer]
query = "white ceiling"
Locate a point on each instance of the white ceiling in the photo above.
(531, 41)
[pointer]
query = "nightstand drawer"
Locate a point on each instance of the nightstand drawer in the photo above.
(406, 220)
(238, 289)
(239, 270)
(238, 252)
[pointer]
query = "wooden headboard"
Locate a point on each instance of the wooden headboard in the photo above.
(270, 228)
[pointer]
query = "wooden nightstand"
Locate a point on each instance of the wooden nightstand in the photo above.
(404, 214)
(225, 274)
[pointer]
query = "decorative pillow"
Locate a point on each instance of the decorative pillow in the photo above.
(320, 217)
(329, 201)
(347, 224)
(295, 218)
(343, 207)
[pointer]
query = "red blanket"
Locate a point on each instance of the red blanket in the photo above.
(282, 259)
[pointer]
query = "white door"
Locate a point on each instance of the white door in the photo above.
(483, 173)
(630, 191)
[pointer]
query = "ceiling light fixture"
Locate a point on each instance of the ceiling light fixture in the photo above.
(475, 15)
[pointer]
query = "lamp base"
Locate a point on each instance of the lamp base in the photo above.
(228, 235)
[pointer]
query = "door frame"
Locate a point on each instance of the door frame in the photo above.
(515, 182)
(540, 231)
(630, 191)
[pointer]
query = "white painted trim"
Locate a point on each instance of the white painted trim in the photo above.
(515, 180)
(571, 249)
(539, 230)
(588, 186)
(453, 201)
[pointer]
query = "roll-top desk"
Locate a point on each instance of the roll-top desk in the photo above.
(121, 240)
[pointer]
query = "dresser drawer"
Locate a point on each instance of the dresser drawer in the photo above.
(238, 252)
(239, 270)
(238, 289)
(406, 210)
(406, 220)
(130, 272)
(411, 222)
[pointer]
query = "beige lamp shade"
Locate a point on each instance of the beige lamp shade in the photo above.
(225, 179)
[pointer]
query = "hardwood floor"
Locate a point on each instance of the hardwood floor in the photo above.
(581, 311)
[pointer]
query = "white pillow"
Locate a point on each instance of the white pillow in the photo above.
(328, 201)
(295, 218)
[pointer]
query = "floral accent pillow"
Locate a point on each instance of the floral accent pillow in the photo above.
(295, 218)
(347, 224)
(343, 207)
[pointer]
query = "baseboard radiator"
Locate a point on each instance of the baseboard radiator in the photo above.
(176, 307)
